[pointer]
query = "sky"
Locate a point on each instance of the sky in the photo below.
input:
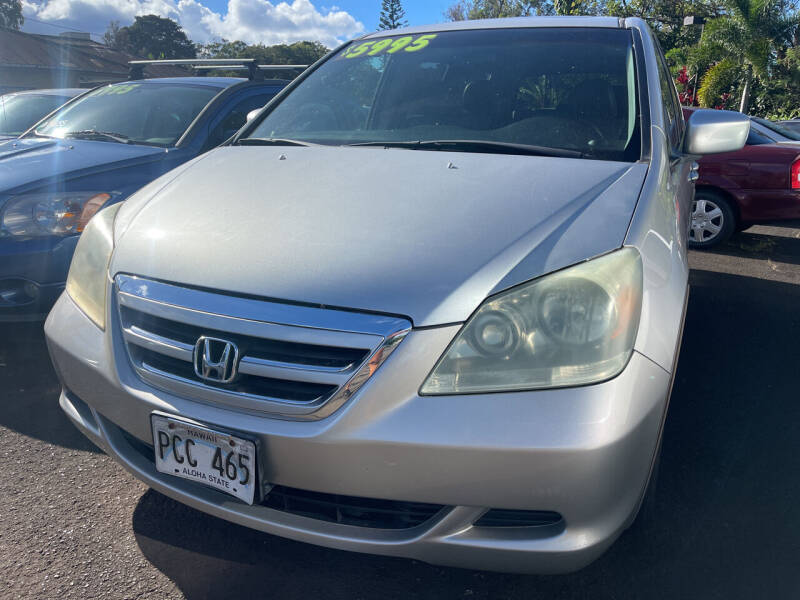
(253, 21)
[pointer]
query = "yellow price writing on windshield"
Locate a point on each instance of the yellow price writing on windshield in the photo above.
(115, 89)
(407, 43)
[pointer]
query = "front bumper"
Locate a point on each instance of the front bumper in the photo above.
(585, 453)
(32, 275)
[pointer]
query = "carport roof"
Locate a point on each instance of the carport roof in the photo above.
(33, 51)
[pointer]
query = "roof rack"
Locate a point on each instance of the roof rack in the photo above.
(254, 70)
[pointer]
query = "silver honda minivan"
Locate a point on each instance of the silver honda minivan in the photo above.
(427, 303)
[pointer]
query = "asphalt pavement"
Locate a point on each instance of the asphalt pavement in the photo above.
(725, 521)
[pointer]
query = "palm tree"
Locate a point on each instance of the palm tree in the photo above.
(744, 42)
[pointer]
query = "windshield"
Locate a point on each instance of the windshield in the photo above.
(140, 113)
(21, 111)
(777, 128)
(560, 88)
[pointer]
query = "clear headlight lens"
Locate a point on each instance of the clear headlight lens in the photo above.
(573, 327)
(88, 273)
(56, 213)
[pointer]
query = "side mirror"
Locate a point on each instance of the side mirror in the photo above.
(713, 131)
(252, 114)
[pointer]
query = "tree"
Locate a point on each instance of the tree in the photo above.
(494, 9)
(392, 15)
(665, 17)
(742, 46)
(299, 53)
(112, 37)
(779, 96)
(151, 36)
(577, 7)
(11, 14)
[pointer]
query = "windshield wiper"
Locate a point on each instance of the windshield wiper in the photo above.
(270, 142)
(88, 134)
(478, 146)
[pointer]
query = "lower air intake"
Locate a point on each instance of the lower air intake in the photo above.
(499, 517)
(351, 510)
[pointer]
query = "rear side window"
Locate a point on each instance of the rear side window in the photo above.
(235, 116)
(756, 139)
(673, 115)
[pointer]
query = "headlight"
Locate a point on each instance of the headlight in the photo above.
(56, 213)
(573, 327)
(88, 273)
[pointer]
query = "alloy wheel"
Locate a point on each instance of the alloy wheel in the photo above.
(707, 220)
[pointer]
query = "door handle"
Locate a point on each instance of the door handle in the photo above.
(694, 172)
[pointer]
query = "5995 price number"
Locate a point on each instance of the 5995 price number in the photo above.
(407, 43)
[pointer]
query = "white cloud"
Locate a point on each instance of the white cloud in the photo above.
(253, 21)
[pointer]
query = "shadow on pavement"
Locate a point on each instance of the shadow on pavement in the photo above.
(29, 389)
(785, 224)
(725, 524)
(760, 246)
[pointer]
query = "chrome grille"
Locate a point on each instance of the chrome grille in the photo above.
(294, 360)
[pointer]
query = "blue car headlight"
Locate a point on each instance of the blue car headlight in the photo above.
(572, 327)
(51, 213)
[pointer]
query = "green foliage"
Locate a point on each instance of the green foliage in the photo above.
(747, 40)
(495, 9)
(720, 79)
(11, 14)
(782, 114)
(665, 17)
(392, 15)
(677, 58)
(111, 36)
(299, 53)
(575, 7)
(150, 36)
(779, 95)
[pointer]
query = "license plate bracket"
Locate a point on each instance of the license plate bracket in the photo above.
(205, 455)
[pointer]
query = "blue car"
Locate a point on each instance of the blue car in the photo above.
(96, 151)
(21, 110)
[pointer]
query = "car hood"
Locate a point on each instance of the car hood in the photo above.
(423, 234)
(39, 160)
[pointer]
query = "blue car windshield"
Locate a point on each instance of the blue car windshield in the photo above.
(18, 112)
(569, 89)
(148, 113)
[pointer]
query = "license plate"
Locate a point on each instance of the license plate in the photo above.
(213, 458)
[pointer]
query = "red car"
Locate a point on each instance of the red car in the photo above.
(760, 182)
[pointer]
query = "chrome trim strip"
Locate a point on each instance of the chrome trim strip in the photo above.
(159, 344)
(211, 395)
(366, 371)
(268, 311)
(300, 366)
(260, 329)
(266, 368)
